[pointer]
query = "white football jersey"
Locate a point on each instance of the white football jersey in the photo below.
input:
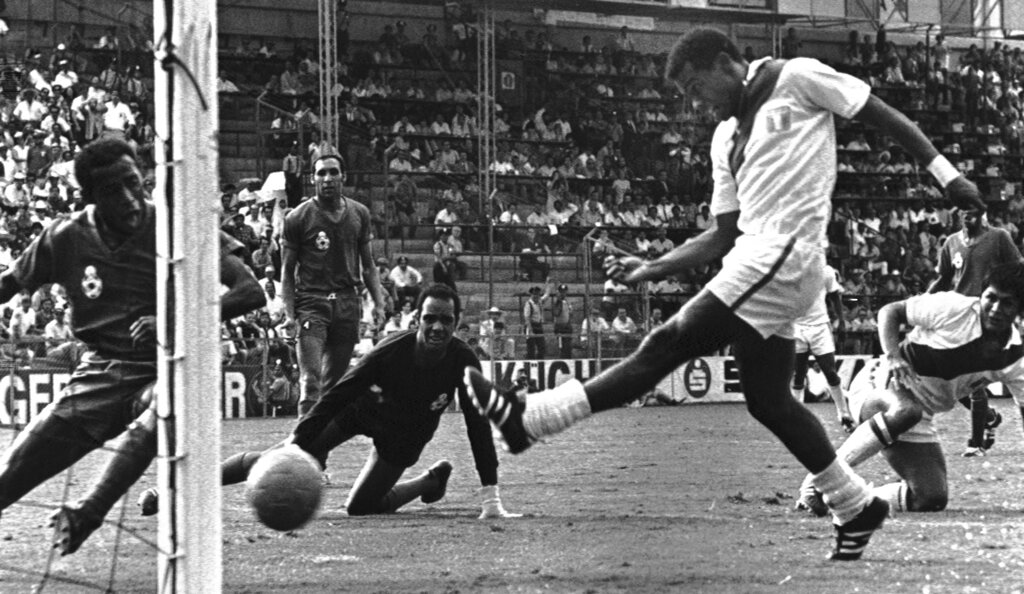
(784, 183)
(818, 314)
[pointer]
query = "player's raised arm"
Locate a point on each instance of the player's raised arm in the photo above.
(961, 191)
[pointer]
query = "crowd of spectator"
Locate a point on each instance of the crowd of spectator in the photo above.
(598, 142)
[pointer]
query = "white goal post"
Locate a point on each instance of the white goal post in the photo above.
(188, 311)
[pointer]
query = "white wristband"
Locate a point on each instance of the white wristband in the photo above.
(943, 170)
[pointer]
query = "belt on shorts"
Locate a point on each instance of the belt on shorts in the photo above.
(336, 294)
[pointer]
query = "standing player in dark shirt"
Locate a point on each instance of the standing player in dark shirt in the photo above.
(105, 257)
(396, 395)
(326, 254)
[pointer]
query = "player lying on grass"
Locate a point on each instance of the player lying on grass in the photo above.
(957, 344)
(105, 257)
(395, 395)
(774, 168)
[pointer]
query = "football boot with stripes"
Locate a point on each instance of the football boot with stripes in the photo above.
(852, 537)
(502, 408)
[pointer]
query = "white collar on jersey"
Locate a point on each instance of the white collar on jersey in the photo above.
(754, 67)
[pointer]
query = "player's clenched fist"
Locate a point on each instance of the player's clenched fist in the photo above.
(621, 268)
(964, 194)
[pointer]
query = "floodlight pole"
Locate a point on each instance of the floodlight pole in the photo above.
(188, 303)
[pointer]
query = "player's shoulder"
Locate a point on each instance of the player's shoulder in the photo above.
(941, 304)
(463, 353)
(72, 225)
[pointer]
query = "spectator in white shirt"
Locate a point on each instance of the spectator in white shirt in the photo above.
(407, 280)
(117, 118)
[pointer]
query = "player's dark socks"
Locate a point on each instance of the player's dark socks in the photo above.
(979, 418)
(132, 457)
(236, 468)
(966, 402)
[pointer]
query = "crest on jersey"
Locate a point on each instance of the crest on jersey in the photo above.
(322, 241)
(779, 119)
(92, 284)
(958, 260)
(440, 402)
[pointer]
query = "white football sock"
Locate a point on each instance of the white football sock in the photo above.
(869, 438)
(895, 494)
(552, 411)
(844, 491)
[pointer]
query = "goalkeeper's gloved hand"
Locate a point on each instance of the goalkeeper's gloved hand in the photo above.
(491, 507)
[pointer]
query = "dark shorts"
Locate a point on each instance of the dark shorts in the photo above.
(323, 316)
(398, 446)
(104, 396)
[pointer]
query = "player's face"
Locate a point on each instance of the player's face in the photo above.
(999, 310)
(329, 178)
(717, 88)
(972, 220)
(437, 324)
(120, 195)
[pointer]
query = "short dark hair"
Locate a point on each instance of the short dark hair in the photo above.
(96, 155)
(699, 48)
(440, 291)
(324, 157)
(1008, 277)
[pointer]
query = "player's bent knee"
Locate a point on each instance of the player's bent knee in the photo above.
(903, 416)
(928, 501)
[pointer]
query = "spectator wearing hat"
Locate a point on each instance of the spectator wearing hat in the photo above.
(408, 281)
(486, 327)
(503, 346)
(16, 194)
(240, 230)
(38, 159)
(561, 313)
(533, 322)
(455, 249)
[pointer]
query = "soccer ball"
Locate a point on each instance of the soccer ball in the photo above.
(284, 488)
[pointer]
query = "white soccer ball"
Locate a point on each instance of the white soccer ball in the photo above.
(284, 488)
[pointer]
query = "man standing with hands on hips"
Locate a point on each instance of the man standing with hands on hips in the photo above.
(326, 255)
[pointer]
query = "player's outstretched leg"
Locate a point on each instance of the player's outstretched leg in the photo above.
(438, 474)
(377, 490)
(233, 470)
(503, 408)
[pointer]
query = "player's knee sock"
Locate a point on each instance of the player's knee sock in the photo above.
(895, 494)
(131, 459)
(554, 410)
(844, 491)
(869, 438)
(979, 416)
(405, 491)
(236, 468)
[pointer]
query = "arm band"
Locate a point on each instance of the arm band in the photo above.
(943, 170)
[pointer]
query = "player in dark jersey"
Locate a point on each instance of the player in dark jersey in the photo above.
(326, 254)
(396, 395)
(105, 257)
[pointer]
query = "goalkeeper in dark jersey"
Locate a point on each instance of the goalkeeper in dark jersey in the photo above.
(105, 257)
(396, 395)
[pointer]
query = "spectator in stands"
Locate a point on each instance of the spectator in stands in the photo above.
(791, 44)
(529, 259)
(408, 281)
(503, 346)
(625, 335)
(456, 248)
(117, 117)
(594, 332)
(29, 108)
(533, 321)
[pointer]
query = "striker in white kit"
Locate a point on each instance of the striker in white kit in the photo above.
(942, 350)
(783, 192)
(813, 329)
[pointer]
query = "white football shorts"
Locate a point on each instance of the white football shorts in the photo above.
(770, 281)
(870, 381)
(814, 338)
